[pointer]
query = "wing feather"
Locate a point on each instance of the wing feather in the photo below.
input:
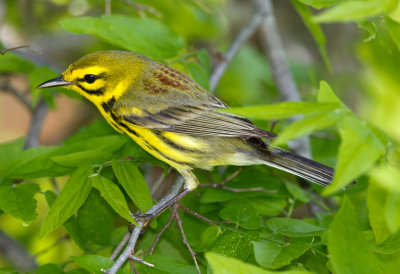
(199, 121)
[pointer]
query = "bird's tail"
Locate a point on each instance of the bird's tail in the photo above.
(299, 166)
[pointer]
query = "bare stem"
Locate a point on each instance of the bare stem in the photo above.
(39, 113)
(273, 47)
(158, 236)
(130, 247)
(185, 241)
(136, 259)
(204, 219)
(120, 246)
(240, 39)
(22, 99)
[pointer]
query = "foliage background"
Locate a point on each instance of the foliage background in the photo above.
(355, 58)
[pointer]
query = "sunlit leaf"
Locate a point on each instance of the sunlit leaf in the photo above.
(314, 28)
(293, 227)
(134, 183)
(146, 36)
(19, 201)
(113, 195)
(281, 110)
(355, 10)
(70, 199)
(272, 255)
(358, 151)
(348, 249)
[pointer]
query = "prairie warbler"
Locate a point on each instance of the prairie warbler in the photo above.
(174, 119)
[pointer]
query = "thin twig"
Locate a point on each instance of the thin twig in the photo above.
(236, 190)
(185, 241)
(141, 9)
(158, 236)
(11, 49)
(22, 99)
(273, 47)
(39, 113)
(136, 259)
(136, 231)
(224, 182)
(107, 7)
(121, 245)
(240, 39)
(197, 215)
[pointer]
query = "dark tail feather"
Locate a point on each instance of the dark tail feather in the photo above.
(299, 166)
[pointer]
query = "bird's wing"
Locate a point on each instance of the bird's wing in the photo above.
(199, 121)
(168, 100)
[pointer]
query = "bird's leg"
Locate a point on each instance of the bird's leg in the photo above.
(191, 183)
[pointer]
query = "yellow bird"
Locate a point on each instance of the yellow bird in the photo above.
(175, 119)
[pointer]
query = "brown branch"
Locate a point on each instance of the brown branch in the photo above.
(11, 49)
(159, 234)
(185, 241)
(197, 215)
(236, 190)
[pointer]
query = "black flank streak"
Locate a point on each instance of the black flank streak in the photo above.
(107, 106)
(129, 129)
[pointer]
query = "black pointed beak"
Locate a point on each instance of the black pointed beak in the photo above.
(55, 82)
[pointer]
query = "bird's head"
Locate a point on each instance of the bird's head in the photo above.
(100, 75)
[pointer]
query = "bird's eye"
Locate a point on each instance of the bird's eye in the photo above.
(90, 78)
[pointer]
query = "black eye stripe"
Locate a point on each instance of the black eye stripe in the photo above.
(91, 78)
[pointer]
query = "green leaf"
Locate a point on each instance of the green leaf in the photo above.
(76, 159)
(241, 213)
(314, 28)
(12, 62)
(281, 110)
(318, 4)
(72, 196)
(326, 95)
(168, 264)
(358, 151)
(95, 263)
(94, 223)
(394, 30)
(146, 36)
(225, 265)
(297, 192)
(49, 268)
(272, 255)
(355, 10)
(267, 206)
(389, 246)
(19, 201)
(293, 227)
(383, 202)
(208, 238)
(308, 125)
(134, 183)
(348, 249)
(236, 244)
(113, 195)
(198, 74)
